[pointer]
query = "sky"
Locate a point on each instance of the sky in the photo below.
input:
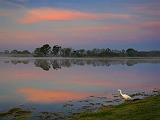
(115, 24)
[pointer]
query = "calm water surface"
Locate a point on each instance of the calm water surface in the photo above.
(51, 84)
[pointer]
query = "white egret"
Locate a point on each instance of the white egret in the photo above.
(125, 96)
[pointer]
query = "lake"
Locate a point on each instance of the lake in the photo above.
(67, 85)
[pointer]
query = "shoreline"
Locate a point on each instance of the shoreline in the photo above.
(85, 58)
(122, 111)
(147, 108)
(102, 113)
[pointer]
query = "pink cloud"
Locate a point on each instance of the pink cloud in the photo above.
(50, 14)
(152, 25)
(131, 33)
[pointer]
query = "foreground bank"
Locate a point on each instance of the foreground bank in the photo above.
(146, 109)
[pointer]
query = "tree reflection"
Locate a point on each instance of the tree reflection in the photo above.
(19, 61)
(44, 64)
(131, 62)
(55, 64)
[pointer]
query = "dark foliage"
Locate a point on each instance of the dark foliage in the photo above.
(57, 51)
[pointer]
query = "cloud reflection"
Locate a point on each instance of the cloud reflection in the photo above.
(50, 96)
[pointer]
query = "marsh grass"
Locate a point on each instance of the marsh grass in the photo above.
(15, 114)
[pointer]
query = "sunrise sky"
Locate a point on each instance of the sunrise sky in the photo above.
(117, 24)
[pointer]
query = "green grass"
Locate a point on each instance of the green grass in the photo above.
(146, 109)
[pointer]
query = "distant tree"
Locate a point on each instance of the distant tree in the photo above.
(82, 52)
(6, 51)
(14, 52)
(108, 52)
(66, 52)
(94, 52)
(74, 53)
(25, 52)
(102, 53)
(131, 52)
(45, 49)
(88, 53)
(123, 53)
(55, 50)
(38, 53)
(42, 51)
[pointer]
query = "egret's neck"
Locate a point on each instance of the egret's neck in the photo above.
(120, 92)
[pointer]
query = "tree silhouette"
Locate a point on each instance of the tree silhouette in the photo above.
(131, 52)
(55, 50)
(42, 51)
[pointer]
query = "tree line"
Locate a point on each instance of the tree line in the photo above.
(58, 51)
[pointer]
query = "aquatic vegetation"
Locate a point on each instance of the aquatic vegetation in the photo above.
(16, 114)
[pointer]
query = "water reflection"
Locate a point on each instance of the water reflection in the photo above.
(18, 61)
(55, 64)
(47, 83)
(44, 64)
(49, 96)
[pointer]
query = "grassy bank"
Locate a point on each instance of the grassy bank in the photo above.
(146, 109)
